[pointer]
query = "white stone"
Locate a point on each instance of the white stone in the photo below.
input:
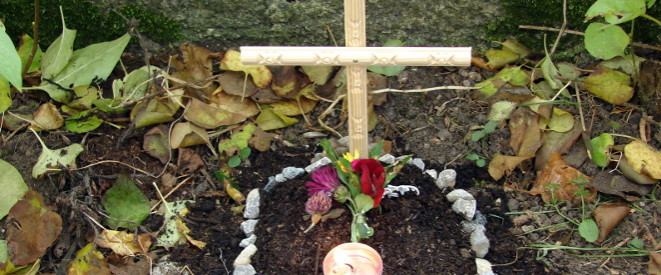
(270, 184)
(292, 172)
(248, 227)
(322, 162)
(483, 267)
(244, 270)
(164, 267)
(344, 141)
(459, 194)
(387, 159)
(280, 178)
(244, 256)
(432, 173)
(252, 205)
(447, 178)
(394, 191)
(471, 226)
(417, 162)
(479, 243)
(248, 241)
(465, 208)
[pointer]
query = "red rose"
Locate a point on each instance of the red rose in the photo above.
(372, 178)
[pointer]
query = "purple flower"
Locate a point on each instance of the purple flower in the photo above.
(325, 180)
(319, 203)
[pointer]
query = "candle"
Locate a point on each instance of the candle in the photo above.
(353, 258)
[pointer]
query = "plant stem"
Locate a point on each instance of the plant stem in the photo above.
(35, 38)
(635, 44)
(651, 18)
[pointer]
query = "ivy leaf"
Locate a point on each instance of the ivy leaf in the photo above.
(616, 11)
(127, 207)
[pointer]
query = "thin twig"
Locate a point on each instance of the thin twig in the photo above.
(170, 193)
(635, 44)
(424, 90)
(160, 196)
(326, 112)
(562, 29)
(35, 38)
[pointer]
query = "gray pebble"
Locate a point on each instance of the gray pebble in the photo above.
(459, 194)
(244, 270)
(418, 163)
(447, 178)
(479, 243)
(280, 178)
(319, 163)
(248, 241)
(248, 227)
(387, 159)
(270, 184)
(292, 172)
(465, 208)
(252, 205)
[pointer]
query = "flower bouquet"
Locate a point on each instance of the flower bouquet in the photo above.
(360, 183)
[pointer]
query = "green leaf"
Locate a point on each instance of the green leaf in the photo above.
(634, 243)
(5, 92)
(500, 58)
(234, 161)
(477, 135)
(588, 230)
(270, 119)
(616, 11)
(3, 251)
(600, 148)
(388, 70)
(377, 150)
(13, 188)
(82, 122)
(490, 126)
(514, 76)
(25, 50)
(363, 203)
(472, 157)
(244, 153)
(550, 73)
(237, 141)
(605, 41)
(127, 207)
(58, 53)
(92, 63)
(480, 162)
(134, 85)
(10, 62)
(54, 158)
(609, 85)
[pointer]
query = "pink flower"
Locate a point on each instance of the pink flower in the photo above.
(319, 203)
(325, 180)
(372, 178)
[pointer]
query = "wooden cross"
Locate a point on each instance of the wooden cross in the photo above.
(356, 56)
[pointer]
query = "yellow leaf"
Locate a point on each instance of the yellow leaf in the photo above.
(609, 85)
(644, 158)
(500, 58)
(501, 165)
(186, 134)
(260, 74)
(123, 243)
(270, 119)
(88, 261)
(561, 121)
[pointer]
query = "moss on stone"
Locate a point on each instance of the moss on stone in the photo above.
(92, 23)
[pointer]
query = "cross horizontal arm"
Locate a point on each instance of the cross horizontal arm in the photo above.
(365, 56)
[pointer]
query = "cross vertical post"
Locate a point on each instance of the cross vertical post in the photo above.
(354, 29)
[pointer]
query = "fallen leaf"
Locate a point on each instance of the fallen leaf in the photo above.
(261, 140)
(52, 159)
(512, 76)
(500, 58)
(501, 165)
(628, 64)
(236, 83)
(318, 74)
(189, 161)
(285, 81)
(88, 261)
(550, 73)
(270, 119)
(608, 216)
(628, 171)
(125, 204)
(608, 183)
(83, 122)
(516, 47)
(153, 111)
(291, 107)
(481, 63)
(501, 110)
(155, 143)
(13, 188)
(532, 138)
(84, 97)
(36, 230)
(123, 243)
(265, 96)
(654, 264)
(194, 65)
(130, 265)
(561, 121)
(260, 74)
(600, 149)
(556, 181)
(47, 117)
(609, 85)
(210, 116)
(238, 140)
(170, 235)
(556, 142)
(644, 158)
(186, 134)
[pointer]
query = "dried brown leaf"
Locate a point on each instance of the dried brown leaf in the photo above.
(501, 165)
(155, 143)
(47, 117)
(38, 230)
(556, 180)
(236, 83)
(189, 161)
(608, 216)
(195, 64)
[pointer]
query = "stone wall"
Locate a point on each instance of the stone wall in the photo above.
(232, 23)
